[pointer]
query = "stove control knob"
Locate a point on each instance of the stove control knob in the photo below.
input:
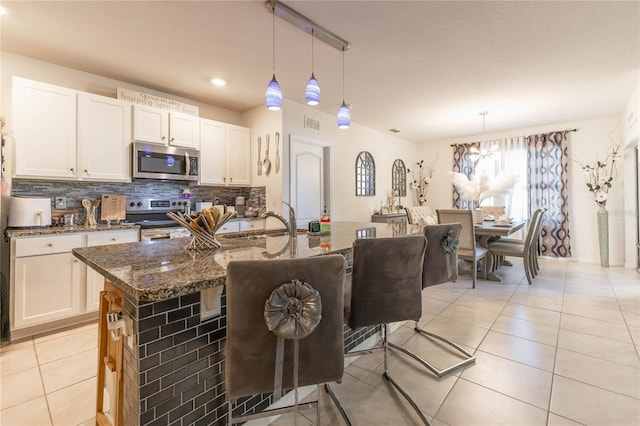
(132, 204)
(173, 204)
(184, 203)
(139, 204)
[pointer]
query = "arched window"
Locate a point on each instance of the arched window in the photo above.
(399, 178)
(365, 174)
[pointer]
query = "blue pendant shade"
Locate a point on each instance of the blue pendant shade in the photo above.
(313, 91)
(344, 116)
(274, 95)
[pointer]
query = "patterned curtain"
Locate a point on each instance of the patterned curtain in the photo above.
(462, 164)
(547, 161)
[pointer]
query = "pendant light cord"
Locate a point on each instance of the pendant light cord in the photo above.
(343, 74)
(273, 11)
(312, 37)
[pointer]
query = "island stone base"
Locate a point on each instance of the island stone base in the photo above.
(174, 374)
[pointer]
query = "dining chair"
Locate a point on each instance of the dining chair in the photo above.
(524, 250)
(386, 287)
(468, 249)
(284, 329)
(421, 215)
(439, 267)
(495, 211)
(536, 220)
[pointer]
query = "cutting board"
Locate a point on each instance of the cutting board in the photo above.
(113, 207)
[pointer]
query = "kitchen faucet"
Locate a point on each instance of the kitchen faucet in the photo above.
(291, 225)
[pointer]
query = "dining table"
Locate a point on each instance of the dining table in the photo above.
(484, 232)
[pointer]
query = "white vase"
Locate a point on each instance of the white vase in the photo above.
(603, 235)
(478, 216)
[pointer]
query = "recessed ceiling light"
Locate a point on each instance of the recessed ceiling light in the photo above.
(218, 82)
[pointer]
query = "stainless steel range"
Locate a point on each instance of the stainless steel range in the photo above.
(151, 215)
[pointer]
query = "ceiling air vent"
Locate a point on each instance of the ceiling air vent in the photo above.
(394, 130)
(311, 123)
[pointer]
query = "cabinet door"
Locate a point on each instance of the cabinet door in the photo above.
(213, 166)
(104, 129)
(95, 281)
(47, 288)
(184, 130)
(45, 130)
(238, 155)
(150, 124)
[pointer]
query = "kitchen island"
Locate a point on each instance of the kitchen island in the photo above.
(173, 365)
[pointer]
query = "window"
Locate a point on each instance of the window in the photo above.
(399, 178)
(365, 175)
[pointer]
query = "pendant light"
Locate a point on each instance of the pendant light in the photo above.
(477, 154)
(313, 87)
(344, 115)
(274, 92)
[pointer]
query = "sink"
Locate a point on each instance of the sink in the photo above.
(261, 235)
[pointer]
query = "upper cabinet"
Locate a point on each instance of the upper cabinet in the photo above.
(224, 154)
(45, 130)
(160, 126)
(64, 134)
(104, 126)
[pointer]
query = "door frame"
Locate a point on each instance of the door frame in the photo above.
(288, 178)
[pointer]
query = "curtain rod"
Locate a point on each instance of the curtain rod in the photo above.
(468, 143)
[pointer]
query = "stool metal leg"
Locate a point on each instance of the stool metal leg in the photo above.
(394, 383)
(469, 358)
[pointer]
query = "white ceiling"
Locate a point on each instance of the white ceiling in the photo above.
(425, 67)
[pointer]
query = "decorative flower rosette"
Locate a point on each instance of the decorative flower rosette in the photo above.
(450, 244)
(292, 312)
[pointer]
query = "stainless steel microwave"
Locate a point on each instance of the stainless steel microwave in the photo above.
(152, 161)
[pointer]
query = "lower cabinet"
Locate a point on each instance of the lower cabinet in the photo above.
(47, 288)
(48, 283)
(241, 225)
(95, 281)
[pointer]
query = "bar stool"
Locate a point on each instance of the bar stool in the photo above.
(440, 266)
(304, 292)
(386, 287)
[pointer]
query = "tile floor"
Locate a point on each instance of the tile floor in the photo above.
(563, 351)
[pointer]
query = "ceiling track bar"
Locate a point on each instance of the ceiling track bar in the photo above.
(305, 24)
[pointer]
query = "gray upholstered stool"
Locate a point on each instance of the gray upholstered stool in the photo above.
(250, 351)
(386, 287)
(440, 266)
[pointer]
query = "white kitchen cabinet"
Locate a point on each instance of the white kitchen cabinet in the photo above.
(45, 130)
(47, 279)
(238, 155)
(224, 154)
(95, 281)
(104, 129)
(155, 125)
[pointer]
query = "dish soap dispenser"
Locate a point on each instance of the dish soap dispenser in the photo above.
(325, 221)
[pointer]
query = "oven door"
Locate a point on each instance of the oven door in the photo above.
(165, 162)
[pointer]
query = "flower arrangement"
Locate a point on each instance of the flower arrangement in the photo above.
(599, 175)
(421, 178)
(480, 187)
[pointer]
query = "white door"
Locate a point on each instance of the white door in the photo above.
(307, 180)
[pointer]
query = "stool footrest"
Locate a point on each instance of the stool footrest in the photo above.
(469, 358)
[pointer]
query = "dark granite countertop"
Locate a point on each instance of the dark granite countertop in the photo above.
(162, 269)
(56, 230)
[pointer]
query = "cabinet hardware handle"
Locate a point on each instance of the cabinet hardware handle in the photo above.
(230, 179)
(86, 171)
(224, 179)
(50, 245)
(164, 137)
(72, 169)
(173, 139)
(113, 239)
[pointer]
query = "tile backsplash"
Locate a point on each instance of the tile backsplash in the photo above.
(75, 192)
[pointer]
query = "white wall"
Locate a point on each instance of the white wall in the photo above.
(345, 146)
(592, 139)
